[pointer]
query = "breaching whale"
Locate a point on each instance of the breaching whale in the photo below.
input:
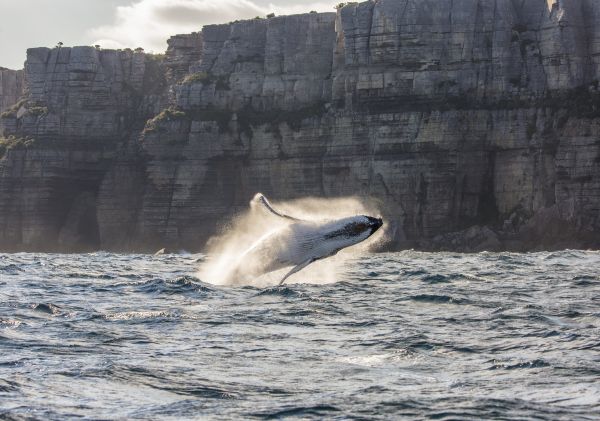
(299, 242)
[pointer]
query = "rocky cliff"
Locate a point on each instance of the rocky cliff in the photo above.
(11, 87)
(474, 124)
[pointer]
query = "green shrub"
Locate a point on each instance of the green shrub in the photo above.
(201, 77)
(12, 111)
(168, 114)
(171, 114)
(13, 142)
(221, 82)
(37, 111)
(32, 109)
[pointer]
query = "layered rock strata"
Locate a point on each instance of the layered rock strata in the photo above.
(474, 124)
(11, 88)
(82, 114)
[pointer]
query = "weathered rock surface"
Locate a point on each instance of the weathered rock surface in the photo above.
(82, 109)
(472, 239)
(474, 123)
(183, 50)
(11, 87)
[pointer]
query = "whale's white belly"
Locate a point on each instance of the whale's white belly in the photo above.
(300, 243)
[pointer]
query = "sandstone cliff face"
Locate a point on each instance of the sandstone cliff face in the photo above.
(11, 87)
(485, 100)
(82, 107)
(474, 124)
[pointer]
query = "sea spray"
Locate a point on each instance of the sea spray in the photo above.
(251, 227)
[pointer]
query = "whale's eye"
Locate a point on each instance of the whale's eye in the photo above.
(349, 230)
(357, 229)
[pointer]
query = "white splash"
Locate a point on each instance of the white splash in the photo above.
(226, 250)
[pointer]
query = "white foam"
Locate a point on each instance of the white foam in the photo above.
(241, 233)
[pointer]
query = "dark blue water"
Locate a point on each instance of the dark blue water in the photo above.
(403, 335)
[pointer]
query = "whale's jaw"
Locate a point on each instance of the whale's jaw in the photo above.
(374, 224)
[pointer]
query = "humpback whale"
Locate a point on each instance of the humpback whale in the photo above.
(298, 243)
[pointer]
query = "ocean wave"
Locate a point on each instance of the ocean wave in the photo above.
(401, 335)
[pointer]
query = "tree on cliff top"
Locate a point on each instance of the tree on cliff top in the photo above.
(341, 5)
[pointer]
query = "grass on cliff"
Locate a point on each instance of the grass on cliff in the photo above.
(12, 111)
(198, 77)
(342, 5)
(166, 115)
(13, 142)
(247, 118)
(221, 82)
(221, 117)
(37, 111)
(31, 109)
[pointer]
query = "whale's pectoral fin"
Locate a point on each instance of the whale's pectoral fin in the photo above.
(297, 269)
(261, 199)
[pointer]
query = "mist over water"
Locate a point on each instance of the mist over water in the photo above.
(257, 224)
(414, 335)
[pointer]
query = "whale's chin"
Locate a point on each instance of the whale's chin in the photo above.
(375, 224)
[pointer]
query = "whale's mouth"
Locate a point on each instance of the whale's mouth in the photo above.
(375, 224)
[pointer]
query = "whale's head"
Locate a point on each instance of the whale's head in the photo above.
(374, 224)
(349, 231)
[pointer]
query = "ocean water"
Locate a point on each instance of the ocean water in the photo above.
(400, 335)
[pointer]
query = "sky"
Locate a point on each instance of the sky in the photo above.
(123, 23)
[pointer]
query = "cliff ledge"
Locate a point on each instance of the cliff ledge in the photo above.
(474, 124)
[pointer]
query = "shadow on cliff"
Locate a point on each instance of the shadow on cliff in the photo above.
(239, 234)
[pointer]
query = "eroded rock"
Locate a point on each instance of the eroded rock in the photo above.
(480, 118)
